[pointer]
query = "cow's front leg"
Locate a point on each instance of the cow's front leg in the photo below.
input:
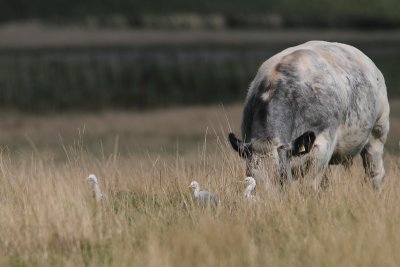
(325, 181)
(317, 177)
(285, 171)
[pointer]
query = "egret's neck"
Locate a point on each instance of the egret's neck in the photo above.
(97, 191)
(196, 191)
(249, 189)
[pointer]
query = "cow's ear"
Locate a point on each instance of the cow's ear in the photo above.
(235, 143)
(303, 144)
(243, 149)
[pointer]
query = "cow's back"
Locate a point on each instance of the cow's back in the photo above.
(328, 85)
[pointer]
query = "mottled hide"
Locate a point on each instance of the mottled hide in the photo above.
(315, 104)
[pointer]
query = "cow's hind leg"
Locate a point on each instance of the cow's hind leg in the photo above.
(320, 156)
(372, 154)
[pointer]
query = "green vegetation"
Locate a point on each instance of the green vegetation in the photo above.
(128, 79)
(66, 79)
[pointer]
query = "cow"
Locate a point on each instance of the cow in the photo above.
(315, 104)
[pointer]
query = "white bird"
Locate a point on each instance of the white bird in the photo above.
(251, 185)
(203, 197)
(96, 188)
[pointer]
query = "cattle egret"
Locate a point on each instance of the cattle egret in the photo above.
(96, 188)
(251, 185)
(203, 197)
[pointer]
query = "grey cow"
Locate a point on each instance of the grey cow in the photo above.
(315, 104)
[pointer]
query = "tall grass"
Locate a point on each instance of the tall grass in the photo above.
(50, 218)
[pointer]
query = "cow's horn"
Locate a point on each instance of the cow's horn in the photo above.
(244, 149)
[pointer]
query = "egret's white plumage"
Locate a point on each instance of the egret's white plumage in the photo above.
(251, 185)
(203, 197)
(96, 188)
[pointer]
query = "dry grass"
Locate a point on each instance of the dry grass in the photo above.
(49, 217)
(160, 131)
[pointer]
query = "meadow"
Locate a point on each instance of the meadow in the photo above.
(145, 162)
(75, 102)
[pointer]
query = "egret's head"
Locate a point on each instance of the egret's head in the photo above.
(194, 185)
(250, 181)
(92, 178)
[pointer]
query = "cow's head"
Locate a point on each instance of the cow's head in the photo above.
(280, 153)
(252, 152)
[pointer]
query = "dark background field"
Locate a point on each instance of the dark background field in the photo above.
(85, 55)
(208, 13)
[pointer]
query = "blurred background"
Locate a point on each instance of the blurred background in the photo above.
(87, 59)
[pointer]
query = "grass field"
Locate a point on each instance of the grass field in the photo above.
(145, 162)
